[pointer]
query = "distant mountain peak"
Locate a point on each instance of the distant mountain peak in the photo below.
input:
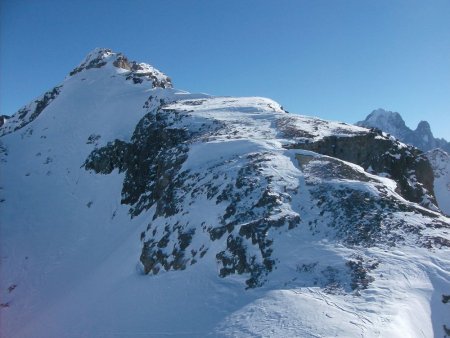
(423, 126)
(388, 121)
(392, 123)
(381, 113)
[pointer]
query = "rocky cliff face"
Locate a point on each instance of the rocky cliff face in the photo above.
(423, 139)
(406, 165)
(392, 123)
(136, 198)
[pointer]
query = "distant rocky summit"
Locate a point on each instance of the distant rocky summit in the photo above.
(392, 123)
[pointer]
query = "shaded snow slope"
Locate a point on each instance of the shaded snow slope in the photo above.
(129, 208)
(440, 160)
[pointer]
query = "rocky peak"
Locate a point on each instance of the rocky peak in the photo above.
(385, 115)
(388, 121)
(98, 54)
(137, 72)
(97, 58)
(114, 64)
(392, 123)
(423, 136)
(423, 127)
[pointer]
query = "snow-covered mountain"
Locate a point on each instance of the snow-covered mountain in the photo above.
(393, 123)
(130, 208)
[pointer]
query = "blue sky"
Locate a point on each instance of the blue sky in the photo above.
(334, 59)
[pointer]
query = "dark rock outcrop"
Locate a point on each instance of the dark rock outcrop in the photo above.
(95, 59)
(151, 162)
(408, 166)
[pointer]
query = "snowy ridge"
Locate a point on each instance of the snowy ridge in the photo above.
(183, 214)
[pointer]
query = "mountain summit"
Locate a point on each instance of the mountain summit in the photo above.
(392, 123)
(129, 207)
(105, 64)
(137, 72)
(388, 121)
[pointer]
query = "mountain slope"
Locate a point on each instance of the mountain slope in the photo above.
(132, 208)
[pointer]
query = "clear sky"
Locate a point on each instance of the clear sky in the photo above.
(335, 59)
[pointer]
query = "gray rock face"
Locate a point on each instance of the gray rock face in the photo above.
(409, 167)
(151, 161)
(392, 123)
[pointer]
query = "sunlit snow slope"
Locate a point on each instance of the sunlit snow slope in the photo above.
(132, 209)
